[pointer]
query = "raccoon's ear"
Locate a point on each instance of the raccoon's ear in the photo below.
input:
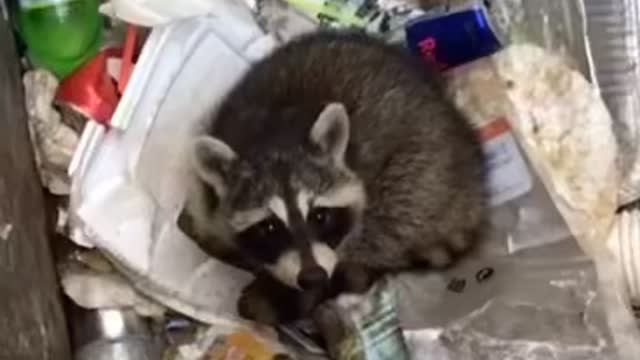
(331, 131)
(211, 158)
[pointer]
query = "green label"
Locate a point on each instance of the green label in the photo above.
(377, 334)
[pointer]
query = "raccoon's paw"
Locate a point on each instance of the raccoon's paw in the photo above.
(268, 301)
(352, 279)
(254, 305)
(332, 328)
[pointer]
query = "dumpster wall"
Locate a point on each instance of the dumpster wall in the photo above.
(32, 322)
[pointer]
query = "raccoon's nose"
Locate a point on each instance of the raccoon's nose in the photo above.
(312, 278)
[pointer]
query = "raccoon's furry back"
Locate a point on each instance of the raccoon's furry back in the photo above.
(420, 161)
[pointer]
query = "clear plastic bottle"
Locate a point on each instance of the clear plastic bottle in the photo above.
(112, 334)
(60, 35)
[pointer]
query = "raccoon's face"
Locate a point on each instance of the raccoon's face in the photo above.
(289, 207)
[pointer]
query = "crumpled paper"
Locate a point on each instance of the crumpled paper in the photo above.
(54, 142)
(91, 289)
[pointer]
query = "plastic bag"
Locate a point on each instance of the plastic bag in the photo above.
(537, 305)
(566, 132)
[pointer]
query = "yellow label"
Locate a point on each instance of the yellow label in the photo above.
(240, 346)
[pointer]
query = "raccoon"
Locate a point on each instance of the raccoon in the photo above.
(333, 161)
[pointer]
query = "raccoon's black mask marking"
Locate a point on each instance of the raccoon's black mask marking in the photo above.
(270, 237)
(331, 224)
(266, 240)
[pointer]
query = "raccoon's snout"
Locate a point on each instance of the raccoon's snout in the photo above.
(313, 278)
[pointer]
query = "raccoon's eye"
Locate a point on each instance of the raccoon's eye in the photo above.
(268, 227)
(330, 224)
(321, 217)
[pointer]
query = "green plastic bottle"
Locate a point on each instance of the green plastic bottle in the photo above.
(60, 35)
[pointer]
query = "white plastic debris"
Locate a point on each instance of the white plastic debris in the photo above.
(95, 290)
(53, 141)
(158, 12)
(127, 200)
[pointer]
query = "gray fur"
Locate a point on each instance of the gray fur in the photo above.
(418, 160)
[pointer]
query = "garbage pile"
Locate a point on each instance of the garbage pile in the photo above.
(116, 94)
